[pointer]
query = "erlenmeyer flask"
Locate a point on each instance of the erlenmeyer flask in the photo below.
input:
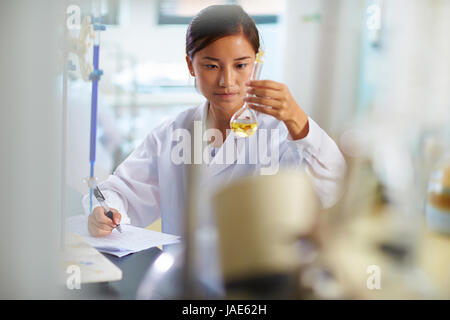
(244, 122)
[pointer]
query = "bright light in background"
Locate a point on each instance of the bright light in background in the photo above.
(163, 263)
(373, 17)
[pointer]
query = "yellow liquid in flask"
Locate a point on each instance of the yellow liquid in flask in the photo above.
(244, 130)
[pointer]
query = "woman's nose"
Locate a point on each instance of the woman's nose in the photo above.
(226, 78)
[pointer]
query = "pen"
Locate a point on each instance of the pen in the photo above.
(101, 199)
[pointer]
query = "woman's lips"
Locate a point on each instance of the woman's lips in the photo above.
(226, 96)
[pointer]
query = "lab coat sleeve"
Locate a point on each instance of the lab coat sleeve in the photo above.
(133, 189)
(323, 162)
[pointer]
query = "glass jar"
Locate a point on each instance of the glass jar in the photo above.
(438, 198)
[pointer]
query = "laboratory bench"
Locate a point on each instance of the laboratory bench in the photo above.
(134, 267)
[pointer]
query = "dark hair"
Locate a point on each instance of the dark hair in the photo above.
(218, 21)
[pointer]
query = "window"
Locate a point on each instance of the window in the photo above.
(109, 11)
(182, 11)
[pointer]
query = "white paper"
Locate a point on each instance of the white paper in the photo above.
(132, 239)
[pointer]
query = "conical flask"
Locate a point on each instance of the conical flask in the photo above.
(244, 122)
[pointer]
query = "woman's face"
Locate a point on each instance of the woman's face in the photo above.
(221, 70)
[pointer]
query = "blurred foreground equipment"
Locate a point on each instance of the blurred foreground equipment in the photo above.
(261, 223)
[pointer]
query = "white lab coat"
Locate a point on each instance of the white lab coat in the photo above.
(149, 184)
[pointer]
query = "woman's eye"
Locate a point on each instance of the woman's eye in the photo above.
(210, 66)
(241, 65)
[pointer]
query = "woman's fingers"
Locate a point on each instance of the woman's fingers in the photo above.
(100, 225)
(103, 226)
(266, 110)
(116, 216)
(97, 230)
(101, 218)
(264, 102)
(272, 98)
(269, 84)
(265, 92)
(275, 99)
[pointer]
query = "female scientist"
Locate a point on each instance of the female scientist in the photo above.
(221, 46)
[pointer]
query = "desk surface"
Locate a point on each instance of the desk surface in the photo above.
(133, 266)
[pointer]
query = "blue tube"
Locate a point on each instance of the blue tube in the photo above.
(94, 109)
(94, 100)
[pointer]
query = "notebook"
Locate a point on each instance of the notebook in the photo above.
(132, 239)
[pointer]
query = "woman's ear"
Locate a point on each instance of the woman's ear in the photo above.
(189, 64)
